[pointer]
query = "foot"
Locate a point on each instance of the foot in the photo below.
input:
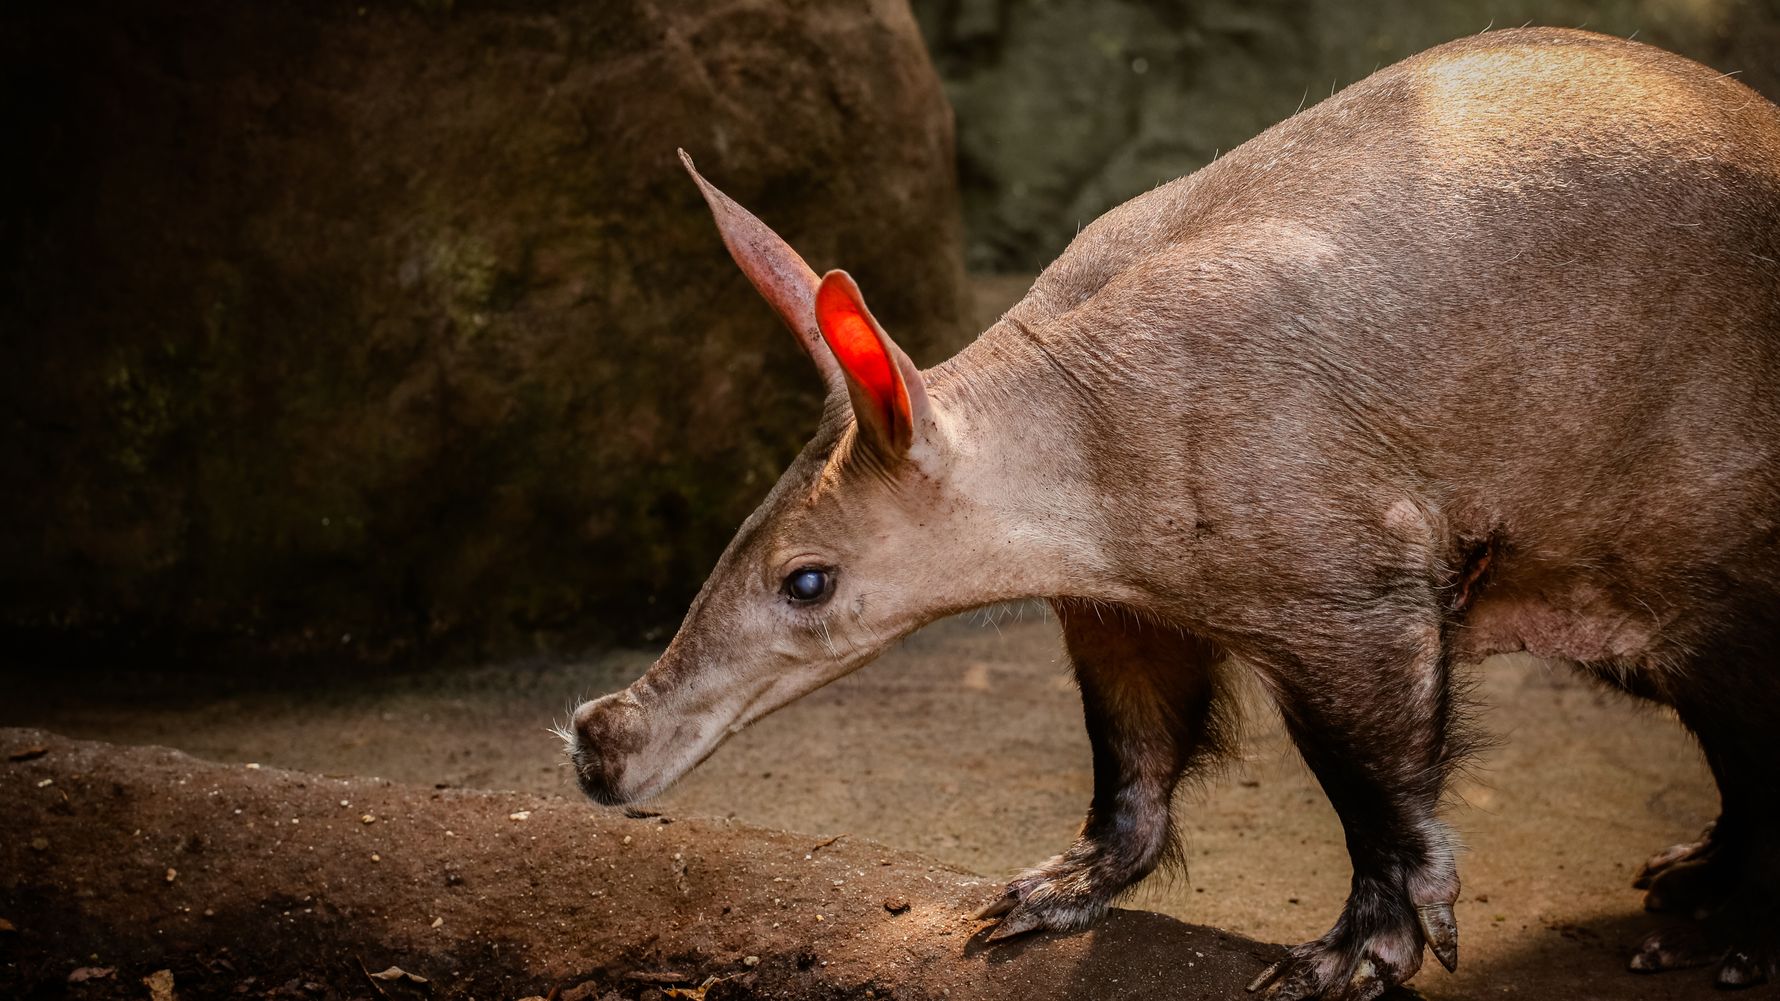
(1689, 878)
(1376, 945)
(1740, 938)
(1068, 892)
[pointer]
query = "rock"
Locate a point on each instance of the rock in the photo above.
(1068, 108)
(896, 904)
(160, 986)
(349, 329)
(396, 973)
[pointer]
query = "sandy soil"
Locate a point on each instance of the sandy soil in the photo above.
(966, 744)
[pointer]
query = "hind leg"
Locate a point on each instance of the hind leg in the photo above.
(1729, 883)
(1149, 696)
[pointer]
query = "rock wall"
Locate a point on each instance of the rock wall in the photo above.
(351, 326)
(1069, 107)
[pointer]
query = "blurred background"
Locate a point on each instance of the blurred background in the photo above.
(392, 331)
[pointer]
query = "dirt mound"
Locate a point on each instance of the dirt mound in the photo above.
(118, 862)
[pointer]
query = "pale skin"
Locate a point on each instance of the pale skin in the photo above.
(1482, 354)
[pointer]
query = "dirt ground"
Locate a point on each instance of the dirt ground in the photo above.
(966, 744)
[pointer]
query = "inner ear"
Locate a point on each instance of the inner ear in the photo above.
(884, 385)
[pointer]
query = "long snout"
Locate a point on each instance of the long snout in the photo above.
(633, 744)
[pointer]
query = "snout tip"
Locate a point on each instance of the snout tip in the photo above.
(604, 733)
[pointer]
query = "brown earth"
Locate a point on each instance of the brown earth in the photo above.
(248, 881)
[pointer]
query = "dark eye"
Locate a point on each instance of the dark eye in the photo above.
(807, 584)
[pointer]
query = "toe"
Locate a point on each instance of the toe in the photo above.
(1741, 968)
(1686, 887)
(1441, 931)
(1297, 982)
(1673, 949)
(1672, 855)
(1267, 976)
(1009, 899)
(1019, 921)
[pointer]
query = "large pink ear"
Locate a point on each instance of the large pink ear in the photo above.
(778, 273)
(889, 400)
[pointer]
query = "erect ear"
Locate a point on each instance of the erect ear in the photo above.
(777, 272)
(889, 400)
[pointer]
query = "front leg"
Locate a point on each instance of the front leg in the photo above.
(1372, 710)
(1150, 698)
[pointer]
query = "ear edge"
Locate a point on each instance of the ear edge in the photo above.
(777, 272)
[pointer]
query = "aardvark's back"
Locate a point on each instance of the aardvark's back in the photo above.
(1527, 283)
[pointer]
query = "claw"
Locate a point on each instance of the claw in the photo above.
(1740, 969)
(1441, 930)
(1299, 983)
(1268, 976)
(1672, 949)
(1670, 856)
(1019, 922)
(999, 906)
(1690, 886)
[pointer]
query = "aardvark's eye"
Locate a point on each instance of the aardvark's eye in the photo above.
(807, 584)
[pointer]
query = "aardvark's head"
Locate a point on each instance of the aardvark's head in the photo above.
(882, 524)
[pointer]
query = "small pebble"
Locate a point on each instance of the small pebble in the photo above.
(520, 815)
(172, 874)
(368, 819)
(750, 960)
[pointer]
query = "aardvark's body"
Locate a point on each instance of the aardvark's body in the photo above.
(1482, 354)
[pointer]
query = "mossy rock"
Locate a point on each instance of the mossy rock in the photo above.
(1069, 107)
(380, 327)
